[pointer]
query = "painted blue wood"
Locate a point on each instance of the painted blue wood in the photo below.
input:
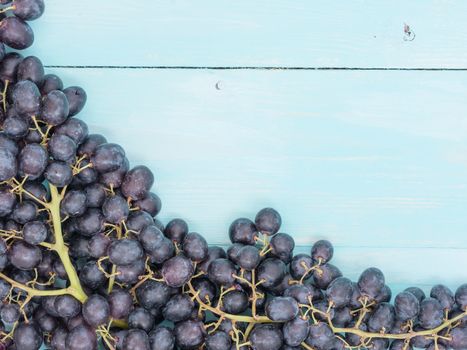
(374, 161)
(245, 33)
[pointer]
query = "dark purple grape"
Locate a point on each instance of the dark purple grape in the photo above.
(371, 282)
(24, 212)
(399, 345)
(30, 68)
(151, 204)
(58, 174)
(76, 97)
(195, 247)
(95, 195)
(266, 337)
(342, 317)
(282, 309)
(9, 66)
(129, 274)
(300, 265)
(115, 209)
(137, 182)
(178, 308)
(419, 294)
(125, 251)
(322, 251)
(325, 275)
(339, 292)
(8, 144)
(302, 293)
(406, 306)
(243, 231)
(91, 276)
(28, 10)
(24, 256)
(384, 296)
(80, 338)
(420, 341)
(7, 202)
(162, 338)
(96, 310)
(108, 157)
(8, 165)
(74, 203)
(177, 271)
(32, 161)
(27, 337)
(282, 246)
(248, 257)
(235, 302)
(90, 144)
(10, 313)
(47, 323)
(232, 251)
(320, 336)
(120, 303)
(295, 331)
(139, 220)
(444, 295)
(271, 271)
(75, 129)
(97, 245)
(176, 230)
(55, 108)
(268, 221)
(461, 297)
(25, 95)
(35, 232)
(51, 82)
(61, 147)
(15, 127)
(157, 246)
(16, 33)
(141, 318)
(153, 294)
(91, 222)
(206, 289)
(221, 272)
(382, 318)
(458, 338)
(218, 341)
(189, 334)
(431, 313)
(67, 306)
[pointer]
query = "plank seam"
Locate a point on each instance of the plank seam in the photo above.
(258, 68)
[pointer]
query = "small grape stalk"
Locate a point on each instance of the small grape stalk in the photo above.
(85, 263)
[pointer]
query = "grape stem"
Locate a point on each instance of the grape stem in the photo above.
(59, 245)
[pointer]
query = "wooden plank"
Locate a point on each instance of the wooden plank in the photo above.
(261, 33)
(369, 160)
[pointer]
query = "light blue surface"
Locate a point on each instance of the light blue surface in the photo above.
(375, 161)
(307, 33)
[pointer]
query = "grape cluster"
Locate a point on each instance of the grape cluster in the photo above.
(85, 263)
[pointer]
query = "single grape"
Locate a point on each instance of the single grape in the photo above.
(28, 10)
(266, 337)
(177, 271)
(282, 246)
(96, 310)
(67, 306)
(189, 334)
(243, 231)
(342, 317)
(178, 308)
(125, 251)
(214, 252)
(458, 338)
(195, 247)
(55, 108)
(80, 338)
(27, 337)
(32, 161)
(322, 251)
(382, 318)
(8, 165)
(91, 276)
(218, 341)
(419, 294)
(162, 338)
(120, 303)
(108, 157)
(295, 331)
(444, 295)
(140, 318)
(303, 293)
(272, 271)
(10, 313)
(115, 209)
(15, 127)
(371, 282)
(76, 97)
(176, 230)
(30, 68)
(339, 292)
(9, 65)
(282, 309)
(58, 174)
(137, 182)
(431, 313)
(62, 147)
(151, 204)
(325, 275)
(24, 256)
(159, 247)
(51, 82)
(268, 221)
(25, 95)
(300, 266)
(235, 302)
(221, 272)
(406, 306)
(248, 257)
(129, 274)
(320, 336)
(461, 297)
(16, 33)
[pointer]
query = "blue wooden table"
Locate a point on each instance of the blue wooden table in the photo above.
(350, 118)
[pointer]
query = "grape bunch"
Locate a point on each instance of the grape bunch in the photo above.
(86, 264)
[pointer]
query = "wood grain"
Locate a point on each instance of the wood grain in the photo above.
(261, 33)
